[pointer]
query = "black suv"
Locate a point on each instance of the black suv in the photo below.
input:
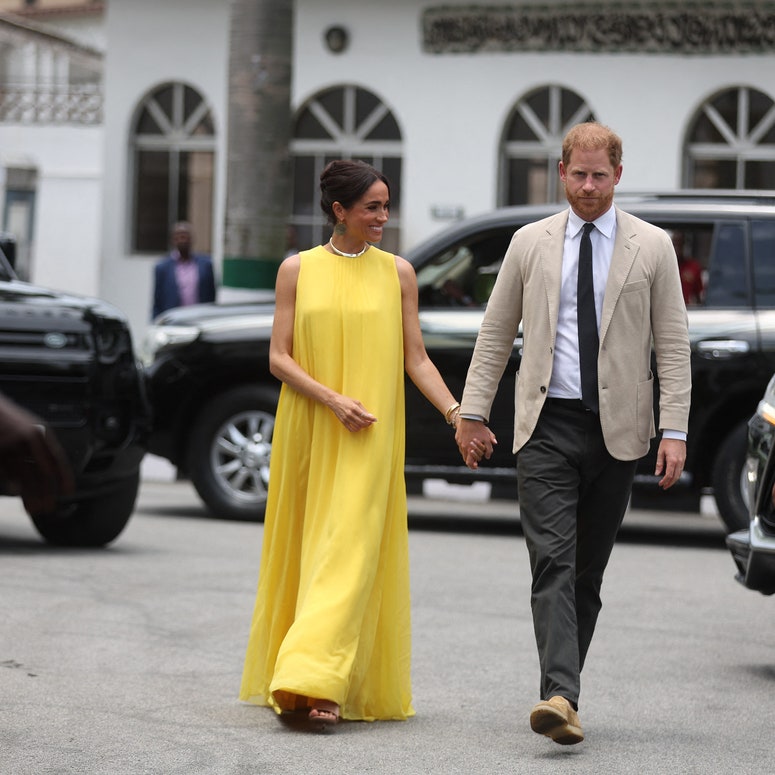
(215, 399)
(70, 361)
(753, 549)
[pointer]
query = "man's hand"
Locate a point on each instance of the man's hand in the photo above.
(671, 457)
(475, 441)
(32, 463)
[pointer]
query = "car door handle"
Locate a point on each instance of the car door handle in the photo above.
(723, 348)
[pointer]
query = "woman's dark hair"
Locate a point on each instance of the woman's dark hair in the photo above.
(346, 181)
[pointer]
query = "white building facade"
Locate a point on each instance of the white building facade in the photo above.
(51, 153)
(463, 105)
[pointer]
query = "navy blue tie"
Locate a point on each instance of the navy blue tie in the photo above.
(589, 342)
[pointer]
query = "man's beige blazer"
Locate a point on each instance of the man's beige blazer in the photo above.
(643, 304)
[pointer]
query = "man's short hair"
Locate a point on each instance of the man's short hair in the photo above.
(592, 136)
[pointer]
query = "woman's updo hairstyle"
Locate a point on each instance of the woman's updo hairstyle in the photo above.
(346, 181)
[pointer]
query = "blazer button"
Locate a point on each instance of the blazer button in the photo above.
(543, 389)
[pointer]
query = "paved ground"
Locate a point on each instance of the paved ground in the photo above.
(128, 660)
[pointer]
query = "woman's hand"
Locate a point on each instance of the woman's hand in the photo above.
(352, 413)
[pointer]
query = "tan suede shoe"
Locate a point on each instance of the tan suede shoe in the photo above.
(557, 719)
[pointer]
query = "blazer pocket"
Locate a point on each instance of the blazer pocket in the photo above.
(635, 286)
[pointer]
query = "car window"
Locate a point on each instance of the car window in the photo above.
(728, 268)
(692, 243)
(464, 274)
(763, 255)
(713, 264)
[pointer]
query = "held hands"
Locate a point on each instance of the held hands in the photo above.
(671, 457)
(475, 441)
(352, 414)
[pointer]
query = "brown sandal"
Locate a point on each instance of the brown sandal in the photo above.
(323, 713)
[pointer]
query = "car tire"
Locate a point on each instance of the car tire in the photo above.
(230, 449)
(93, 521)
(728, 486)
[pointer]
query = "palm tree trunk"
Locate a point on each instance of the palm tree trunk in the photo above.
(258, 186)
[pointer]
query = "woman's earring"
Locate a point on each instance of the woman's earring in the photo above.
(340, 228)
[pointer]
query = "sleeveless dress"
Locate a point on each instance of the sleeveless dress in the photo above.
(332, 614)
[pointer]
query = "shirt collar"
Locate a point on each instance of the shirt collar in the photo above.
(606, 223)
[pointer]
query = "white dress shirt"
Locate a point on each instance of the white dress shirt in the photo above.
(566, 373)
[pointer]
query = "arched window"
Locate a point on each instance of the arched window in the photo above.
(731, 142)
(532, 144)
(173, 144)
(343, 122)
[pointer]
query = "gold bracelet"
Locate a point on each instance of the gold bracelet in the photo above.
(448, 413)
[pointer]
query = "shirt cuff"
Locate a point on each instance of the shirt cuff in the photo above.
(670, 434)
(476, 417)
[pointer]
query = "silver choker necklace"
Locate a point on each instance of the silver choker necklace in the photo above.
(347, 255)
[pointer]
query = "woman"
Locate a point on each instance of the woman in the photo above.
(331, 627)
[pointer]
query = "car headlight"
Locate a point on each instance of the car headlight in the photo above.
(766, 408)
(160, 338)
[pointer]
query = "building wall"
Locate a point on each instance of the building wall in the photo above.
(150, 43)
(68, 207)
(63, 159)
(451, 107)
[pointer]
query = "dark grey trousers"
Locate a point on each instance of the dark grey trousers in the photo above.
(572, 499)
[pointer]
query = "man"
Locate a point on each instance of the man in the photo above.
(182, 277)
(583, 397)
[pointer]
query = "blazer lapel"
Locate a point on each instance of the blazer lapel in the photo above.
(624, 254)
(550, 250)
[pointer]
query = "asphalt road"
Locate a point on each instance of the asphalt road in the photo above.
(128, 660)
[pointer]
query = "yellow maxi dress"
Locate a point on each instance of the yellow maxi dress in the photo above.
(332, 614)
